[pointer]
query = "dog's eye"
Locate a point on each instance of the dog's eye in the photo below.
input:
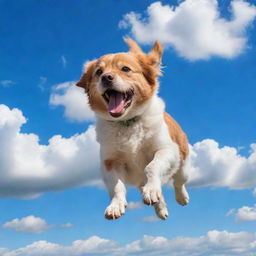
(99, 72)
(125, 69)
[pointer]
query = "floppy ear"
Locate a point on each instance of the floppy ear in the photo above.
(87, 75)
(155, 55)
(134, 48)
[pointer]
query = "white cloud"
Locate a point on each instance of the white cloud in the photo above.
(194, 28)
(66, 225)
(28, 168)
(74, 101)
(212, 165)
(134, 205)
(213, 243)
(38, 248)
(6, 83)
(64, 61)
(246, 213)
(29, 224)
(243, 214)
(32, 225)
(93, 245)
(3, 251)
(150, 219)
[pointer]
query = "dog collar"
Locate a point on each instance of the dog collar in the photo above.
(128, 122)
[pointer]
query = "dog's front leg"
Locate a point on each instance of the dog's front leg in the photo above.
(164, 160)
(113, 175)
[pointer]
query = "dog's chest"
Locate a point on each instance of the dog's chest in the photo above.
(120, 138)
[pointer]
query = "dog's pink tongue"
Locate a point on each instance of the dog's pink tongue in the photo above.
(116, 103)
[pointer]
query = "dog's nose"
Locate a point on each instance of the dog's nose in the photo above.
(107, 79)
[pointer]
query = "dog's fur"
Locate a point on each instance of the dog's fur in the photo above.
(140, 144)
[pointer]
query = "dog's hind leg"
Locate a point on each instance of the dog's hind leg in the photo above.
(161, 209)
(179, 180)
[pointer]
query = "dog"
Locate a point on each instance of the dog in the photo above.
(140, 144)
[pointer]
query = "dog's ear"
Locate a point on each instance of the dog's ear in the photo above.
(133, 46)
(155, 55)
(151, 63)
(87, 75)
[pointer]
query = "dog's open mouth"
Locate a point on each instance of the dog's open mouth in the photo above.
(117, 101)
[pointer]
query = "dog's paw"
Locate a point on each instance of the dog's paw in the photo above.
(115, 210)
(182, 196)
(161, 211)
(151, 194)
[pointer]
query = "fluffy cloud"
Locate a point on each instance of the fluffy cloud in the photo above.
(94, 245)
(213, 243)
(32, 225)
(29, 224)
(74, 101)
(194, 28)
(244, 214)
(212, 165)
(28, 168)
(3, 251)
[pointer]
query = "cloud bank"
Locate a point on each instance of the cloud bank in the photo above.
(195, 29)
(213, 243)
(28, 168)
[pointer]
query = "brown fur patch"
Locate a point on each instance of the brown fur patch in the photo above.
(87, 75)
(177, 135)
(95, 99)
(155, 55)
(108, 164)
(114, 161)
(134, 48)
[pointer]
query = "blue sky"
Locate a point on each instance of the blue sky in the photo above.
(208, 87)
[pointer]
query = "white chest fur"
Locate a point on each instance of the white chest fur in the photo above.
(137, 142)
(118, 137)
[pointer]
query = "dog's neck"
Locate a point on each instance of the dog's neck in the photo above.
(128, 122)
(154, 107)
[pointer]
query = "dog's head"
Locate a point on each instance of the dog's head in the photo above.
(118, 84)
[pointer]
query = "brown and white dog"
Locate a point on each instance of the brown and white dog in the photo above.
(140, 144)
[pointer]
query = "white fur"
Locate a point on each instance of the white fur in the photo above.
(147, 158)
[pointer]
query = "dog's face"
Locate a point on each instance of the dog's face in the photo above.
(118, 84)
